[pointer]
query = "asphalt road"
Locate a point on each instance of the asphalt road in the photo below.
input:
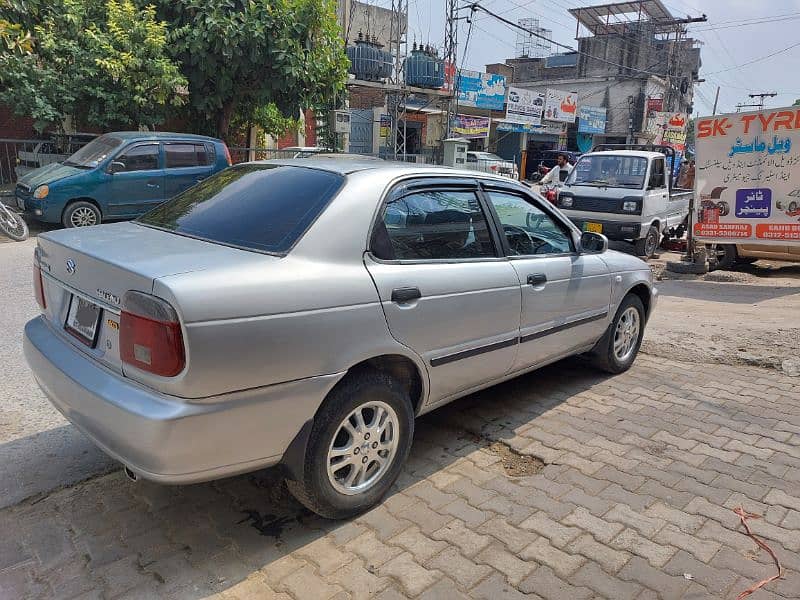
(39, 449)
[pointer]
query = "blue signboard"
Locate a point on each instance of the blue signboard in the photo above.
(591, 119)
(481, 90)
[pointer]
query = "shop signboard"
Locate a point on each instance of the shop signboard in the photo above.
(747, 177)
(655, 105)
(560, 106)
(544, 129)
(591, 119)
(481, 90)
(669, 129)
(469, 127)
(525, 106)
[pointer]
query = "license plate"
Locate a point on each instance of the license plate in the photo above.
(83, 317)
(593, 227)
(21, 203)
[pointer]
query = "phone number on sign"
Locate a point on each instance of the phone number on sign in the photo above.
(771, 231)
(727, 230)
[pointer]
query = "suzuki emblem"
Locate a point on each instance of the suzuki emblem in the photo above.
(70, 266)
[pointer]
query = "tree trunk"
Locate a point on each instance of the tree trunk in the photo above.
(224, 118)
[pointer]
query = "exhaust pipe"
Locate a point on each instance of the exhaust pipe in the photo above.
(130, 474)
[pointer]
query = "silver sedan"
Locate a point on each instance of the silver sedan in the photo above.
(304, 313)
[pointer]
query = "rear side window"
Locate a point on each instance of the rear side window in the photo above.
(187, 155)
(266, 208)
(433, 225)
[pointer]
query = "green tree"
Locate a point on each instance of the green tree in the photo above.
(796, 102)
(247, 59)
(102, 63)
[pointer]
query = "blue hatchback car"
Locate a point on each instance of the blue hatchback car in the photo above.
(119, 176)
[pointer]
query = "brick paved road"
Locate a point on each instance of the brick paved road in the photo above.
(642, 473)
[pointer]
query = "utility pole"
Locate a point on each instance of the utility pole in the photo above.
(451, 58)
(399, 42)
(761, 98)
(716, 99)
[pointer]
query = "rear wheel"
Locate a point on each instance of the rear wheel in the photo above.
(81, 214)
(647, 245)
(725, 256)
(617, 349)
(359, 441)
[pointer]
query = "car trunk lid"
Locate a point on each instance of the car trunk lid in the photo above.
(86, 272)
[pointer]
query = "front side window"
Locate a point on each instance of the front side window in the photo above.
(266, 208)
(527, 228)
(434, 224)
(186, 155)
(139, 158)
(614, 170)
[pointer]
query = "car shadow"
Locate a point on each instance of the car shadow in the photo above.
(223, 532)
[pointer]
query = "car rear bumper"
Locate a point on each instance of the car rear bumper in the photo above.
(164, 438)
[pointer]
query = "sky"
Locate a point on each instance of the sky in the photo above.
(727, 44)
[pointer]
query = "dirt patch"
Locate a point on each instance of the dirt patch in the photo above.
(515, 464)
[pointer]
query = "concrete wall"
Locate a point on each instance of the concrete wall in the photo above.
(370, 19)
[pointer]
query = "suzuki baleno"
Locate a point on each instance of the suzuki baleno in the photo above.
(304, 314)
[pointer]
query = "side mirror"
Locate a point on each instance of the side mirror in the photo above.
(116, 166)
(593, 243)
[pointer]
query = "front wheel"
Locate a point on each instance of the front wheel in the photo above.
(619, 346)
(358, 443)
(646, 247)
(81, 214)
(12, 224)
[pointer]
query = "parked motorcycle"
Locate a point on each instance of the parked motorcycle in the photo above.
(12, 224)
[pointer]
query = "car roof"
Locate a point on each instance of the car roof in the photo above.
(391, 168)
(159, 135)
(637, 153)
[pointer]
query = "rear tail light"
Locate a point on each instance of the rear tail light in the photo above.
(493, 167)
(38, 287)
(150, 336)
(227, 154)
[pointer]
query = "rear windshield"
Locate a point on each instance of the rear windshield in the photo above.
(266, 208)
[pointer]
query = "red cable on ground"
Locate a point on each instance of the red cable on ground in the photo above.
(743, 516)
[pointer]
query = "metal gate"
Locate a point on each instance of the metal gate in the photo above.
(361, 131)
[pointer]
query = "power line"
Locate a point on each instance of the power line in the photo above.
(475, 6)
(756, 60)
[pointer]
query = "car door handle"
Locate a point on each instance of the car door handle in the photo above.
(150, 184)
(200, 178)
(401, 295)
(537, 279)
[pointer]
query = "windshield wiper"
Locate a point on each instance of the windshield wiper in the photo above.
(74, 164)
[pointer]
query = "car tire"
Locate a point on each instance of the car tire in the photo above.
(81, 214)
(609, 354)
(333, 492)
(647, 246)
(725, 255)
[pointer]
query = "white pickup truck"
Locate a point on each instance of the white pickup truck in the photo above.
(626, 193)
